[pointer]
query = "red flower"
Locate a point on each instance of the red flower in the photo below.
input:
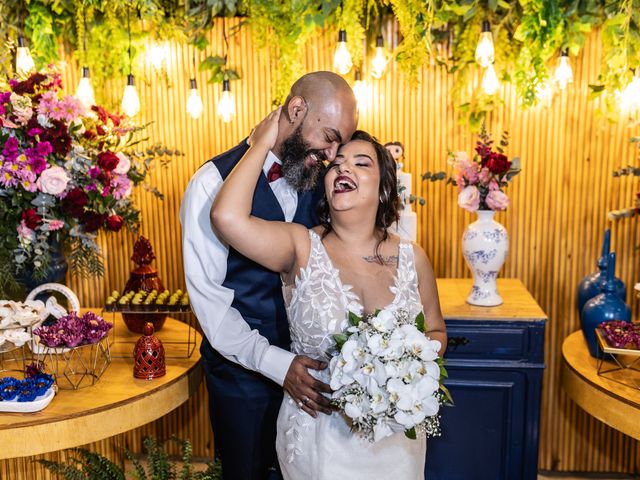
(498, 163)
(108, 160)
(31, 218)
(115, 222)
(28, 85)
(93, 221)
(58, 137)
(74, 202)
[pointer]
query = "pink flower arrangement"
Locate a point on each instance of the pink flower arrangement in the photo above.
(65, 172)
(481, 180)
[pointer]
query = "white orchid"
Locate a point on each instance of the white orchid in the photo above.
(384, 321)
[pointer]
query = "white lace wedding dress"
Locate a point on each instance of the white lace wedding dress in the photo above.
(324, 447)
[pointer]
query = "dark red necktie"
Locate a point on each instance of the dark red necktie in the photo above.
(275, 172)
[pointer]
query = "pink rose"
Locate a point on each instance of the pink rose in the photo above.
(123, 165)
(25, 233)
(469, 198)
(493, 185)
(53, 181)
(497, 200)
(484, 175)
(471, 172)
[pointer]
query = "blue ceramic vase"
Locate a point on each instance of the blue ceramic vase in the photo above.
(592, 284)
(603, 307)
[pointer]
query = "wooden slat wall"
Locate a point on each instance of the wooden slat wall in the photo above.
(555, 221)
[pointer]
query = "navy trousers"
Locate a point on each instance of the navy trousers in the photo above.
(243, 408)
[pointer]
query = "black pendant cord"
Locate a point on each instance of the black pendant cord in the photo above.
(84, 30)
(226, 43)
(129, 31)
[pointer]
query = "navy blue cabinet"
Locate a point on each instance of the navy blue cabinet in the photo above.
(495, 368)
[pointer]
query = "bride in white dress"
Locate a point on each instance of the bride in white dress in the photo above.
(348, 263)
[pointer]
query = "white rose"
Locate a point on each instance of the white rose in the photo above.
(53, 181)
(123, 165)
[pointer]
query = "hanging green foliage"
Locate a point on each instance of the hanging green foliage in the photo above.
(528, 36)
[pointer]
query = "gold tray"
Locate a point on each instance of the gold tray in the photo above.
(624, 364)
(606, 348)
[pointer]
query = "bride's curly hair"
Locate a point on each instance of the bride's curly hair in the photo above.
(389, 203)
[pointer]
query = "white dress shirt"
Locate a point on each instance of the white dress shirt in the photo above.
(205, 267)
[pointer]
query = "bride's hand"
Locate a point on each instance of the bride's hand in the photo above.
(266, 132)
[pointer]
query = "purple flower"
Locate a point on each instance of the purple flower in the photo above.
(32, 132)
(10, 150)
(121, 186)
(94, 172)
(43, 148)
(72, 331)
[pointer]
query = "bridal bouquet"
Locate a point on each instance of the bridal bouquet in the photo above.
(387, 376)
(481, 181)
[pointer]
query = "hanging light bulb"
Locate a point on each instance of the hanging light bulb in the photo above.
(379, 62)
(564, 74)
(485, 51)
(490, 82)
(24, 60)
(84, 92)
(630, 96)
(360, 91)
(158, 54)
(130, 100)
(194, 102)
(227, 103)
(342, 59)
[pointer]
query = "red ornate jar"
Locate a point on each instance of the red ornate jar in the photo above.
(143, 277)
(148, 356)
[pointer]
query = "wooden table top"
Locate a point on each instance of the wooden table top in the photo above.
(518, 304)
(118, 402)
(605, 398)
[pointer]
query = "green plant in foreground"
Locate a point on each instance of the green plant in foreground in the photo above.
(87, 465)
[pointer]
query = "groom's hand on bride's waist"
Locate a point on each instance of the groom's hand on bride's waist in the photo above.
(306, 390)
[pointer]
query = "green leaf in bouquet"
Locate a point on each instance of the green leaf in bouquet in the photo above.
(420, 322)
(355, 319)
(448, 399)
(443, 370)
(340, 339)
(411, 433)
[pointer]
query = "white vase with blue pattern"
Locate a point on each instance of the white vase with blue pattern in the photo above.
(485, 244)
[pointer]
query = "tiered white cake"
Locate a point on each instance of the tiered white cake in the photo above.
(407, 226)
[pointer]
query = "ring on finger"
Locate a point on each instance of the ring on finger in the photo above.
(301, 404)
(305, 399)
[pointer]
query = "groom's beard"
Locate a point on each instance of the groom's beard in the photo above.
(294, 154)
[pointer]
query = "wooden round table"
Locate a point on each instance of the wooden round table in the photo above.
(606, 398)
(118, 402)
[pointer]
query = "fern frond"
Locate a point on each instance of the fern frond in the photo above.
(139, 473)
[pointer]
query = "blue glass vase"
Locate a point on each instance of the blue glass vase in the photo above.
(592, 284)
(603, 307)
(56, 272)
